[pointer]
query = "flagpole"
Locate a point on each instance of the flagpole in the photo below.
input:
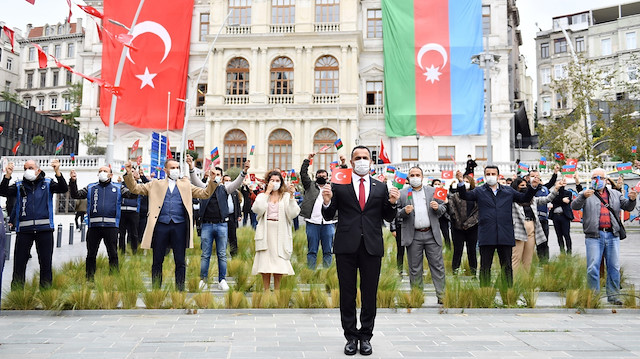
(189, 100)
(114, 98)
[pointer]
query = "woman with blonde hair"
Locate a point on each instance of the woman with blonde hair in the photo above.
(275, 210)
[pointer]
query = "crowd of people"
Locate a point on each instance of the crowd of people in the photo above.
(509, 216)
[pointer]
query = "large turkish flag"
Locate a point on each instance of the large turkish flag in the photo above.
(156, 64)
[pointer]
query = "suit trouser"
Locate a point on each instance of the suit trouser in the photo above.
(110, 237)
(562, 225)
(425, 243)
(44, 247)
(129, 221)
(169, 235)
(232, 225)
(486, 260)
(347, 266)
(444, 228)
(542, 249)
(400, 249)
(79, 214)
(142, 224)
(460, 237)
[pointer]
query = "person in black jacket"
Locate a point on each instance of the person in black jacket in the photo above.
(562, 215)
(235, 215)
(471, 166)
(246, 203)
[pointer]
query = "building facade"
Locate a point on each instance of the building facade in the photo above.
(49, 90)
(9, 62)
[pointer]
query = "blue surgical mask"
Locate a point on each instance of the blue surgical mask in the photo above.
(597, 184)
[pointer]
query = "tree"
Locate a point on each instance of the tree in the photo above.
(193, 154)
(11, 97)
(75, 96)
(91, 140)
(38, 141)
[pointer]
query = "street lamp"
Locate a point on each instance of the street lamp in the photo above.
(487, 61)
(519, 138)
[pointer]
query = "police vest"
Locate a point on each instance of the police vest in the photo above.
(131, 204)
(34, 206)
(103, 205)
(543, 210)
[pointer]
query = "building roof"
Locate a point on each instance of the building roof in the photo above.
(38, 31)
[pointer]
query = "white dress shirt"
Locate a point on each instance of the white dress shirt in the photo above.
(420, 210)
(172, 184)
(355, 181)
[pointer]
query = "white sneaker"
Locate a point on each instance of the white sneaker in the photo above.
(202, 285)
(223, 285)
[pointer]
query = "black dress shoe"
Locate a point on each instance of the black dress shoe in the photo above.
(365, 347)
(351, 347)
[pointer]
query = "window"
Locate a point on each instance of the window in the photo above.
(580, 44)
(607, 77)
(9, 63)
(326, 75)
(374, 23)
(486, 20)
(560, 45)
(43, 78)
(235, 149)
(69, 77)
(544, 50)
(55, 77)
(327, 10)
(240, 12)
(322, 160)
(67, 103)
(282, 76)
(27, 102)
(57, 51)
(546, 106)
(54, 103)
(605, 46)
(238, 77)
(40, 104)
(283, 11)
(374, 92)
(204, 26)
(71, 50)
(561, 101)
(202, 93)
(60, 28)
(45, 49)
(409, 153)
(7, 86)
(66, 204)
(32, 54)
(632, 72)
(29, 80)
(279, 150)
(631, 40)
(481, 153)
(560, 71)
(545, 76)
(445, 153)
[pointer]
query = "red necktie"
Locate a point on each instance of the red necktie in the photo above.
(361, 195)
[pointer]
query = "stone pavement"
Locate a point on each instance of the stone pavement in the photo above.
(290, 334)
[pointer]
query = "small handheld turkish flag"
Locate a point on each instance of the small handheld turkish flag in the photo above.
(139, 160)
(192, 146)
(341, 176)
(440, 194)
(252, 177)
(447, 174)
(637, 187)
(135, 145)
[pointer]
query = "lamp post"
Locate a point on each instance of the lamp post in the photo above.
(519, 138)
(418, 147)
(487, 61)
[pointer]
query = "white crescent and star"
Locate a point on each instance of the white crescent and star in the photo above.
(340, 176)
(158, 30)
(432, 73)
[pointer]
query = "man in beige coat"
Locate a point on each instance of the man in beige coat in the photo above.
(170, 217)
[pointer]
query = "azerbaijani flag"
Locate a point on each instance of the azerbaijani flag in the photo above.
(480, 181)
(59, 146)
(634, 149)
(410, 194)
(294, 177)
(253, 147)
(431, 87)
(568, 169)
(399, 180)
(73, 158)
(391, 169)
(338, 144)
(543, 163)
(559, 156)
(523, 167)
(624, 167)
(214, 154)
(333, 165)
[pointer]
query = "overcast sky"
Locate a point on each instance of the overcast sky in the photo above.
(18, 13)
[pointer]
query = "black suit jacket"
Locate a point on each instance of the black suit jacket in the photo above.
(237, 211)
(354, 223)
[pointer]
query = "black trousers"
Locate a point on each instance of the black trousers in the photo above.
(400, 250)
(486, 260)
(542, 249)
(142, 224)
(110, 237)
(174, 236)
(460, 238)
(562, 225)
(444, 228)
(81, 216)
(22, 250)
(232, 225)
(129, 221)
(348, 266)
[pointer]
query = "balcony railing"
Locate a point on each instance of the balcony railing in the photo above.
(326, 27)
(200, 111)
(282, 28)
(325, 98)
(277, 99)
(236, 99)
(239, 30)
(373, 109)
(65, 162)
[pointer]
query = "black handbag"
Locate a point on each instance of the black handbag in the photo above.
(622, 233)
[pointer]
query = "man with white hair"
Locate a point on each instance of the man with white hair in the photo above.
(602, 232)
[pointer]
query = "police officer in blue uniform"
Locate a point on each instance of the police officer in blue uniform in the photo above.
(103, 213)
(34, 218)
(129, 220)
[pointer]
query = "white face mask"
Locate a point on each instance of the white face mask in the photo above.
(30, 175)
(103, 176)
(218, 179)
(491, 180)
(174, 174)
(415, 182)
(276, 185)
(467, 185)
(361, 167)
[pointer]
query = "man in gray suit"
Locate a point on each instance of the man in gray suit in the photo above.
(421, 231)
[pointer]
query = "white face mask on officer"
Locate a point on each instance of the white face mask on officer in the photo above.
(361, 167)
(174, 174)
(30, 175)
(415, 182)
(103, 176)
(491, 180)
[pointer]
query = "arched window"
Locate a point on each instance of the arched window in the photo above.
(282, 76)
(322, 160)
(280, 149)
(238, 77)
(235, 149)
(326, 75)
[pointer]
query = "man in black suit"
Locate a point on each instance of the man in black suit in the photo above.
(358, 244)
(235, 215)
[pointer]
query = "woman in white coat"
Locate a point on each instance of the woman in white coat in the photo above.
(275, 210)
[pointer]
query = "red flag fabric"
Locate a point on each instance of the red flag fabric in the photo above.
(11, 35)
(447, 174)
(15, 148)
(169, 154)
(383, 153)
(69, 17)
(99, 32)
(192, 146)
(159, 66)
(32, 2)
(135, 145)
(341, 176)
(440, 194)
(139, 160)
(91, 11)
(42, 57)
(572, 161)
(252, 177)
